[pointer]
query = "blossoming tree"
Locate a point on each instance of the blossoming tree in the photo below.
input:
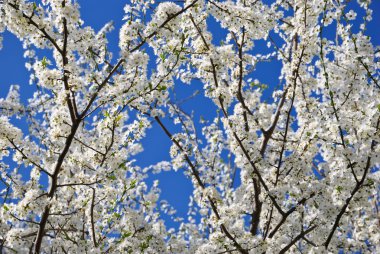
(308, 159)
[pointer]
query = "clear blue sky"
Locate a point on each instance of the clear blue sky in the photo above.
(176, 188)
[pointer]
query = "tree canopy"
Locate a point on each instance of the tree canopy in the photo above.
(285, 167)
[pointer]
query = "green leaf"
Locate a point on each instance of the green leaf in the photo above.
(112, 177)
(34, 6)
(122, 166)
(132, 184)
(339, 189)
(161, 88)
(127, 234)
(118, 118)
(44, 62)
(144, 245)
(141, 125)
(163, 57)
(259, 85)
(6, 208)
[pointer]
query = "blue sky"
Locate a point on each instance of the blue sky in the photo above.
(176, 188)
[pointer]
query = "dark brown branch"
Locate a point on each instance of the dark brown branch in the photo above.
(100, 87)
(89, 147)
(77, 184)
(26, 157)
(297, 238)
(255, 216)
(269, 132)
(195, 173)
(353, 192)
(162, 25)
(92, 218)
(289, 212)
(23, 220)
(285, 135)
(43, 31)
(348, 200)
(108, 148)
(41, 230)
(70, 95)
(199, 32)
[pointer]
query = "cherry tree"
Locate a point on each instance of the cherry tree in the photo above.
(307, 159)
